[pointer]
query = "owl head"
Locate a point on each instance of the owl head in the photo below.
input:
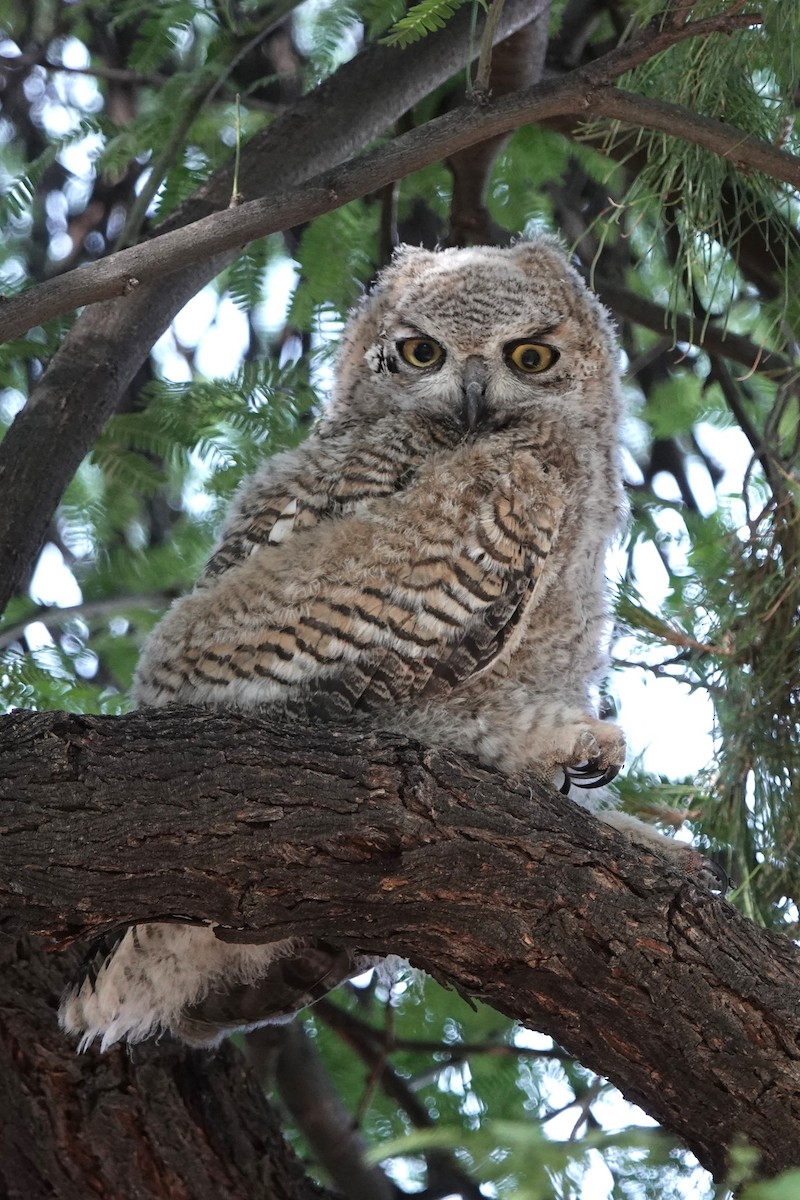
(480, 338)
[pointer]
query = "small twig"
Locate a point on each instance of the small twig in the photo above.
(481, 87)
(236, 195)
(761, 450)
(50, 616)
(126, 76)
(110, 74)
(456, 1051)
(196, 97)
(259, 36)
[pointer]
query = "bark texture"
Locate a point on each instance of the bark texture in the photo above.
(509, 891)
(159, 1123)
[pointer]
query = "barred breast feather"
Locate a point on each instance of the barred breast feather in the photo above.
(340, 615)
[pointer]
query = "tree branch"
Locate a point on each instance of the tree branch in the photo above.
(51, 616)
(122, 273)
(286, 1056)
(515, 894)
(160, 1122)
(444, 1171)
(108, 344)
(706, 336)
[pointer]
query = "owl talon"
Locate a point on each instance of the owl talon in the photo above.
(714, 876)
(588, 775)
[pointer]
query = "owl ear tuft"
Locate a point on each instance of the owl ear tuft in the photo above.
(406, 256)
(529, 252)
(364, 324)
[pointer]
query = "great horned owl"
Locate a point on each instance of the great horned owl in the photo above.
(430, 560)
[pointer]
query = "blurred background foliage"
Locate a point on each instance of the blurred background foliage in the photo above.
(112, 114)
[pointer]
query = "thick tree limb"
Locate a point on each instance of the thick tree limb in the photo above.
(513, 893)
(119, 274)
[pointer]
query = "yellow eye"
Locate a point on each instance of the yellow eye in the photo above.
(530, 357)
(421, 352)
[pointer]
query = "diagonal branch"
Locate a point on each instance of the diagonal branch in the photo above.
(710, 337)
(511, 891)
(122, 273)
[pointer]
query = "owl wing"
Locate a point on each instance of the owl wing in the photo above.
(449, 622)
(321, 480)
(370, 616)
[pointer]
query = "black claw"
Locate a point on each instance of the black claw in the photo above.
(590, 767)
(588, 775)
(715, 877)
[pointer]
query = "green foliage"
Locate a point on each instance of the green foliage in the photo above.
(716, 607)
(533, 158)
(221, 428)
(785, 1187)
(519, 1159)
(379, 15)
(679, 403)
(158, 29)
(46, 680)
(192, 438)
(732, 629)
(329, 40)
(245, 276)
(703, 197)
(336, 258)
(151, 128)
(491, 1099)
(420, 20)
(19, 193)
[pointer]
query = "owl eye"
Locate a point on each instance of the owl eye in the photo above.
(530, 357)
(421, 352)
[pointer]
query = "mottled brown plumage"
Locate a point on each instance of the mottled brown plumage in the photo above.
(429, 560)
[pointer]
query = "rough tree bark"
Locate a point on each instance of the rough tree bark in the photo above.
(511, 892)
(159, 1123)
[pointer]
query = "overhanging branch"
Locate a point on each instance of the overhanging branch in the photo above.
(104, 350)
(214, 235)
(513, 893)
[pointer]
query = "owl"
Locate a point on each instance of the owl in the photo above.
(430, 560)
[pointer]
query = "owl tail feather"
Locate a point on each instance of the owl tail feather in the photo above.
(182, 979)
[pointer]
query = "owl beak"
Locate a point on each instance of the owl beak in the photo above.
(474, 405)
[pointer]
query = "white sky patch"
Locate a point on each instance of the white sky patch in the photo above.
(53, 582)
(225, 342)
(79, 157)
(172, 365)
(666, 724)
(195, 318)
(280, 280)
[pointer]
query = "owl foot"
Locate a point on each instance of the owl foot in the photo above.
(705, 870)
(596, 753)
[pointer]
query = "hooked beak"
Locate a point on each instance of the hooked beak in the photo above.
(474, 405)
